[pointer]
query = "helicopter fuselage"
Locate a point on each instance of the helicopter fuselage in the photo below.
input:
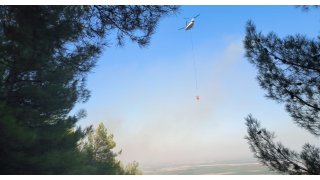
(189, 25)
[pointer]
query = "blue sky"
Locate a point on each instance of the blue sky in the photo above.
(146, 96)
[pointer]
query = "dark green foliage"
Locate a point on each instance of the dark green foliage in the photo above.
(136, 22)
(51, 149)
(307, 7)
(276, 156)
(289, 70)
(45, 54)
(97, 148)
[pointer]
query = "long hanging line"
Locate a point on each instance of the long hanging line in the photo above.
(194, 66)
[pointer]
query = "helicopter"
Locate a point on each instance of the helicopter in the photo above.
(189, 24)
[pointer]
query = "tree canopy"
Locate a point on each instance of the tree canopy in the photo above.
(46, 53)
(289, 70)
(98, 147)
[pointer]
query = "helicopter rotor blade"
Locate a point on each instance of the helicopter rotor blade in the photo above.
(181, 28)
(196, 16)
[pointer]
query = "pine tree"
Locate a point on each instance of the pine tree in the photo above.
(98, 148)
(46, 53)
(289, 70)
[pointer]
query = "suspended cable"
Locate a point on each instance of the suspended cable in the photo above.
(194, 62)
